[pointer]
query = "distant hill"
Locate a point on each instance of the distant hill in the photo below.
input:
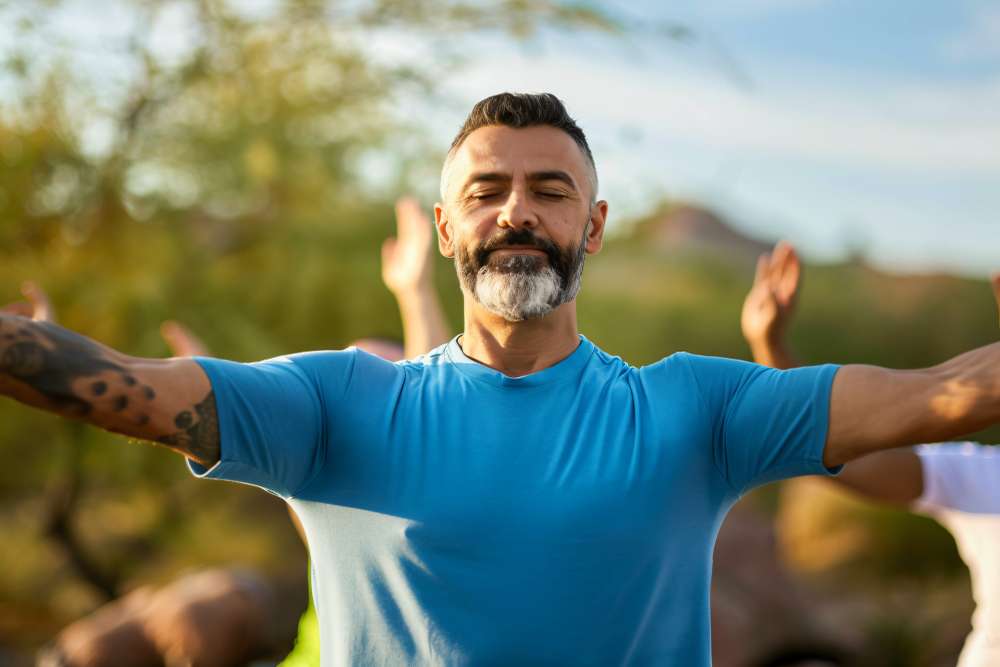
(691, 228)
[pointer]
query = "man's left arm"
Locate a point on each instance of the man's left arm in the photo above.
(874, 408)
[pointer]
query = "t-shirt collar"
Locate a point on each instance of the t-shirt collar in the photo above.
(564, 370)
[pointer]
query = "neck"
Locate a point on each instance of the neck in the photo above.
(519, 348)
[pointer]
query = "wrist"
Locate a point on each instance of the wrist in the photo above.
(767, 344)
(418, 290)
(770, 352)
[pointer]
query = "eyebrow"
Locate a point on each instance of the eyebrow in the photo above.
(498, 177)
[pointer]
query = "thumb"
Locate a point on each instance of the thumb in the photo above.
(181, 341)
(42, 310)
(388, 250)
(22, 308)
(761, 270)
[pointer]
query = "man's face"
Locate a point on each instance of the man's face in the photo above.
(518, 219)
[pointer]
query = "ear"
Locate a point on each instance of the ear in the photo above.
(598, 218)
(446, 242)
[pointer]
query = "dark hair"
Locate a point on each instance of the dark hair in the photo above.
(520, 110)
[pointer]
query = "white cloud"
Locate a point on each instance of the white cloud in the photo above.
(921, 126)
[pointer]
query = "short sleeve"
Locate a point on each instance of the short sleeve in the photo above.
(273, 417)
(961, 476)
(766, 424)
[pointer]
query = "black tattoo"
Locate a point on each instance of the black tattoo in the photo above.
(129, 380)
(142, 420)
(148, 392)
(183, 420)
(99, 388)
(198, 438)
(49, 359)
(121, 402)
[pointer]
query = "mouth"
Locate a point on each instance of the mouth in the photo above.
(519, 250)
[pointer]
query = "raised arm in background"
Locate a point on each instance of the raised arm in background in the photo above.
(769, 306)
(893, 475)
(168, 401)
(407, 270)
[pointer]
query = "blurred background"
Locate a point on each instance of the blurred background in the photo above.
(232, 165)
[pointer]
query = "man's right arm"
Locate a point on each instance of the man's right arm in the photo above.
(892, 476)
(168, 401)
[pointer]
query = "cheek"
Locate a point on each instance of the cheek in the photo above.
(567, 231)
(470, 230)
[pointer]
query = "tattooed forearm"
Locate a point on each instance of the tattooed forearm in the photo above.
(51, 359)
(198, 433)
(46, 366)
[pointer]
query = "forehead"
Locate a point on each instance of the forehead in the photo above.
(498, 148)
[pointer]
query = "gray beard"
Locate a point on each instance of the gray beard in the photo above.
(521, 288)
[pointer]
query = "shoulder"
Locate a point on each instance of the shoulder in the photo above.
(605, 361)
(436, 357)
(698, 369)
(327, 370)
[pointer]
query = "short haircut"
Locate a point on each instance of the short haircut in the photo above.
(520, 110)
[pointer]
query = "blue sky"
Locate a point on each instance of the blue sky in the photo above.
(831, 124)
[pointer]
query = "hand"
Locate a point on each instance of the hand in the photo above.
(37, 307)
(406, 258)
(181, 341)
(769, 306)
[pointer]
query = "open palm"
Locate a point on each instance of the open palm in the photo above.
(406, 259)
(770, 304)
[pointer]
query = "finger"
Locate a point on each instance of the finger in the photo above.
(413, 226)
(42, 307)
(181, 341)
(407, 209)
(763, 265)
(388, 250)
(789, 274)
(22, 308)
(405, 204)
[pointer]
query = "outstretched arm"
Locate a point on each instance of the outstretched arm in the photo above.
(407, 271)
(879, 407)
(168, 401)
(873, 409)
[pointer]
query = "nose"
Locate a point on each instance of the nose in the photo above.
(517, 213)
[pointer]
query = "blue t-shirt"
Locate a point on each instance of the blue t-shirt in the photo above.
(459, 516)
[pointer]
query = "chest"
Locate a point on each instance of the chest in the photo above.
(562, 464)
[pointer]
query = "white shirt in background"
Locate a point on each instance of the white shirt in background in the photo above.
(962, 491)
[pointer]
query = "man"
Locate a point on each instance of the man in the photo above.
(956, 483)
(516, 496)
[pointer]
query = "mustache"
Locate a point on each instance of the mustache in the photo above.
(518, 237)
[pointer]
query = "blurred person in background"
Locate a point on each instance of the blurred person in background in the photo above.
(957, 483)
(218, 618)
(516, 495)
